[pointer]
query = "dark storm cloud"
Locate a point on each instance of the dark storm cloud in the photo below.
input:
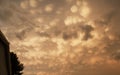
(87, 30)
(69, 35)
(74, 31)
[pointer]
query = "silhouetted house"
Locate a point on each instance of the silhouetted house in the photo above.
(5, 66)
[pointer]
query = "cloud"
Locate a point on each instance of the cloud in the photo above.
(60, 40)
(87, 29)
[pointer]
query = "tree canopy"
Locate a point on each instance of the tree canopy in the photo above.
(16, 65)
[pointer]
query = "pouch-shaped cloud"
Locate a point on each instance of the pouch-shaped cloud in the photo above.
(63, 36)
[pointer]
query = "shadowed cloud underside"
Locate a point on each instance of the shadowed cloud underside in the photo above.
(64, 37)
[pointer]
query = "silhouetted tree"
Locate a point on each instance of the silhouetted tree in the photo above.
(17, 67)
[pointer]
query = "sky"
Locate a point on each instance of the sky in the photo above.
(63, 37)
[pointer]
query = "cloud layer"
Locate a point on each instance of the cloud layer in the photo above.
(65, 37)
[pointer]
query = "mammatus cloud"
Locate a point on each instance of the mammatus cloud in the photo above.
(66, 37)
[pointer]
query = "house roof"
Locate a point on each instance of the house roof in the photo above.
(3, 38)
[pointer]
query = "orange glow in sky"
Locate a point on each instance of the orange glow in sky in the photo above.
(63, 37)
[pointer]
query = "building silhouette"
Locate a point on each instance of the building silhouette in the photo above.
(5, 64)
